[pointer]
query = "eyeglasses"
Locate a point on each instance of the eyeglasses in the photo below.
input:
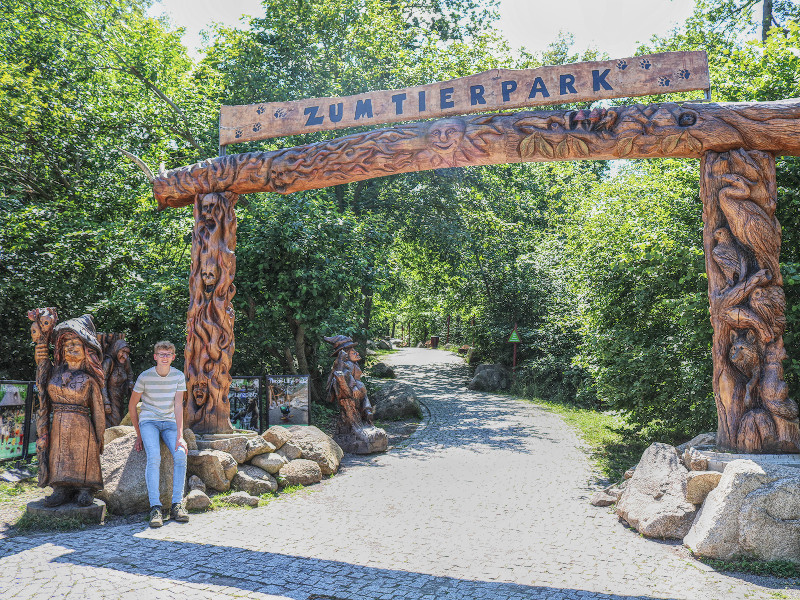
(165, 355)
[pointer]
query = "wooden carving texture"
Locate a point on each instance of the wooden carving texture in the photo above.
(742, 240)
(659, 130)
(44, 319)
(209, 338)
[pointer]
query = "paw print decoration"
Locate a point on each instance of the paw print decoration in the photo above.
(664, 81)
(260, 110)
(645, 64)
(257, 127)
(683, 74)
(238, 133)
(622, 65)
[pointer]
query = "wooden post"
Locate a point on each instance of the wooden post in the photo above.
(447, 337)
(209, 323)
(741, 239)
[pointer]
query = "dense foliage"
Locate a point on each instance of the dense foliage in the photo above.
(600, 266)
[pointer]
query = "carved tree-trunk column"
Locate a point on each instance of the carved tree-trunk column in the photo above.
(209, 323)
(742, 240)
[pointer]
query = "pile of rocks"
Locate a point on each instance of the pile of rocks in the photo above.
(737, 507)
(244, 461)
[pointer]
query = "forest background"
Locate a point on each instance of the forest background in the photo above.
(600, 265)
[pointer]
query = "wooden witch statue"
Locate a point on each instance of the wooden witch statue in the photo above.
(71, 416)
(355, 431)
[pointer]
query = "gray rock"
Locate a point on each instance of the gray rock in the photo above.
(112, 433)
(371, 345)
(214, 467)
(654, 501)
(254, 481)
(693, 460)
(490, 378)
(195, 483)
(317, 446)
(395, 401)
(704, 439)
(197, 500)
(271, 463)
(257, 445)
(290, 451)
(191, 440)
(124, 489)
(299, 472)
(383, 345)
(382, 370)
(699, 484)
(235, 446)
(239, 499)
(601, 498)
(754, 511)
(94, 513)
(277, 436)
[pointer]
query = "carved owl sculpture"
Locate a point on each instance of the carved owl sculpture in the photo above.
(749, 223)
(729, 257)
(769, 303)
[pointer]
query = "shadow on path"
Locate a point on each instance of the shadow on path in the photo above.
(296, 577)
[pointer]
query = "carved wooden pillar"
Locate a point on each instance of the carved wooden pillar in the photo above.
(742, 239)
(209, 323)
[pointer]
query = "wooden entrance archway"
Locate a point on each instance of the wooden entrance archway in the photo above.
(736, 142)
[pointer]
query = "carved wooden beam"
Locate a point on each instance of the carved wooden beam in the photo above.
(662, 130)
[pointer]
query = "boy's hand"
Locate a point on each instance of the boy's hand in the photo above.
(137, 445)
(181, 443)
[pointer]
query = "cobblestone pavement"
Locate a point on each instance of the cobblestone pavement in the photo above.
(487, 500)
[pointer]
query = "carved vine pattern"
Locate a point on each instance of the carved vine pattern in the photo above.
(742, 241)
(209, 337)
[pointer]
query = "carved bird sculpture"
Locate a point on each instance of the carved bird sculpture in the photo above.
(729, 257)
(769, 303)
(749, 223)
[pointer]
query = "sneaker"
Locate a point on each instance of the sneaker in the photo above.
(155, 517)
(178, 513)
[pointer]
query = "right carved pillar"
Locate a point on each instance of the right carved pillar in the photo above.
(742, 239)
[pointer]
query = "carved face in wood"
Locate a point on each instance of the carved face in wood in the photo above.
(200, 393)
(207, 205)
(209, 274)
(74, 351)
(123, 355)
(353, 355)
(445, 136)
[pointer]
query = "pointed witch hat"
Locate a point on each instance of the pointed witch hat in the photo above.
(339, 342)
(83, 327)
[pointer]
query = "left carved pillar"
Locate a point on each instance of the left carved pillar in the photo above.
(742, 240)
(209, 322)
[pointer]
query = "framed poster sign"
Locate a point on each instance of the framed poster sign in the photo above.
(244, 397)
(288, 400)
(15, 398)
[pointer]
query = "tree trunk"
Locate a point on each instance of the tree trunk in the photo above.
(766, 20)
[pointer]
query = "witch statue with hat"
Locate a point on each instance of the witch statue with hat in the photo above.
(355, 431)
(72, 413)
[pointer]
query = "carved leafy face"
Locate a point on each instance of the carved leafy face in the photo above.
(446, 135)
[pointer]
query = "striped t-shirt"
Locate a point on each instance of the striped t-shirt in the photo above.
(158, 394)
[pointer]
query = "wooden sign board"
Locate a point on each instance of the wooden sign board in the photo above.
(498, 89)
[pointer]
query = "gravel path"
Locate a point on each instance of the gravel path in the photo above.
(487, 500)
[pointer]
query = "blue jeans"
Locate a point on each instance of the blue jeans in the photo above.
(151, 432)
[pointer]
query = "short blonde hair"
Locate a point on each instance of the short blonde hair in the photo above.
(164, 345)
